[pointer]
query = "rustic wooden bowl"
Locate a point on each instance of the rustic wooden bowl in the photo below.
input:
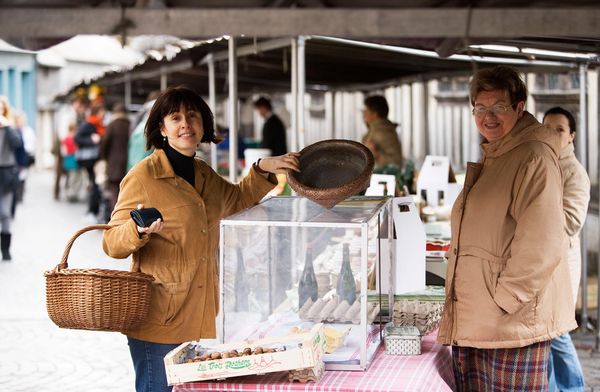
(331, 171)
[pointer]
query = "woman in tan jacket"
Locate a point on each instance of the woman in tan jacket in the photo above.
(180, 251)
(565, 372)
(507, 287)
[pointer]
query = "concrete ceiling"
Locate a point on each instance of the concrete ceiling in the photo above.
(447, 26)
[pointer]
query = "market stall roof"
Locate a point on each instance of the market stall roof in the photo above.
(446, 26)
(331, 64)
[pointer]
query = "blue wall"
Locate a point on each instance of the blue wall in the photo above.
(18, 81)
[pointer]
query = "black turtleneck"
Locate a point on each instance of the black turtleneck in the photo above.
(183, 165)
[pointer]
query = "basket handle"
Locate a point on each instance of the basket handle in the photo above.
(65, 256)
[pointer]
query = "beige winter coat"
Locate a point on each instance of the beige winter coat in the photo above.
(182, 257)
(576, 196)
(507, 283)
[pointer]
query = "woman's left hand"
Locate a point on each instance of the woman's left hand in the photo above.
(279, 164)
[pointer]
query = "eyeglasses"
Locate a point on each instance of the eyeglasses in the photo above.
(481, 111)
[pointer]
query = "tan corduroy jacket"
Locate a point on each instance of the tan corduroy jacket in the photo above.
(576, 196)
(182, 257)
(508, 282)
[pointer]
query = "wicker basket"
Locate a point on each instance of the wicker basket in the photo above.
(96, 299)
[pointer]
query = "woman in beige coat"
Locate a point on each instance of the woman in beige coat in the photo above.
(507, 287)
(180, 252)
(565, 372)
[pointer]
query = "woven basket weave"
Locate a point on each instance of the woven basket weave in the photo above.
(96, 299)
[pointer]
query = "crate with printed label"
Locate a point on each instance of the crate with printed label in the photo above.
(193, 362)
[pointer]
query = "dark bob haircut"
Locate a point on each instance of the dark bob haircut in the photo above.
(566, 113)
(499, 78)
(170, 101)
(377, 104)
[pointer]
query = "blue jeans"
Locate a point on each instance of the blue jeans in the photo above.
(149, 366)
(564, 370)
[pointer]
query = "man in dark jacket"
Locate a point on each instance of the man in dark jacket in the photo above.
(273, 132)
(114, 150)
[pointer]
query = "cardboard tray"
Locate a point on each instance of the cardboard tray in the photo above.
(310, 355)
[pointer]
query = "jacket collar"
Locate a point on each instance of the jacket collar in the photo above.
(160, 164)
(526, 129)
(162, 168)
(381, 122)
(567, 151)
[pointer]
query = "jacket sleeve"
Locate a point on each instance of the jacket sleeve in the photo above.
(122, 239)
(576, 196)
(246, 193)
(106, 142)
(83, 137)
(538, 244)
(14, 138)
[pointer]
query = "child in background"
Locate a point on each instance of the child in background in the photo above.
(74, 176)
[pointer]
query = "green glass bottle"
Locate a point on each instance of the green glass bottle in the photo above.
(242, 290)
(307, 287)
(346, 287)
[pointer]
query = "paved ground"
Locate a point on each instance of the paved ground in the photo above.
(35, 355)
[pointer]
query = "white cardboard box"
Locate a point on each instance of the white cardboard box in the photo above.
(408, 270)
(309, 355)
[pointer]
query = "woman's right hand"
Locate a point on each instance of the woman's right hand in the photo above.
(155, 227)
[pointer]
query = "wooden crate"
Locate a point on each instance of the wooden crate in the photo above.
(309, 355)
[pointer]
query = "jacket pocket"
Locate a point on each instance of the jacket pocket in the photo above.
(167, 300)
(491, 266)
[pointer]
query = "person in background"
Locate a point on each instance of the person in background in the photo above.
(25, 155)
(74, 180)
(114, 150)
(508, 291)
(136, 148)
(88, 138)
(381, 137)
(180, 250)
(564, 370)
(273, 137)
(10, 141)
(80, 106)
(273, 131)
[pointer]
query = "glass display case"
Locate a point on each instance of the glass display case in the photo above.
(288, 263)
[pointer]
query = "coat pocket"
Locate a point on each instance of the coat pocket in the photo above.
(167, 301)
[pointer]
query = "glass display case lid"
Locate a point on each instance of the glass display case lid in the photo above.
(357, 209)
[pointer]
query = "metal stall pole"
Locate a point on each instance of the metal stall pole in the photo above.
(597, 343)
(233, 111)
(163, 78)
(128, 91)
(301, 89)
(582, 152)
(294, 83)
(212, 102)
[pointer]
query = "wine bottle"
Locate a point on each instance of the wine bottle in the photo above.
(346, 287)
(242, 290)
(307, 287)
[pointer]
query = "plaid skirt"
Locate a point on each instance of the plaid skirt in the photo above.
(506, 369)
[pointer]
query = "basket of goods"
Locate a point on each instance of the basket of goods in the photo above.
(96, 299)
(331, 171)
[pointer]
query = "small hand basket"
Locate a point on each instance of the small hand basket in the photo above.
(96, 299)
